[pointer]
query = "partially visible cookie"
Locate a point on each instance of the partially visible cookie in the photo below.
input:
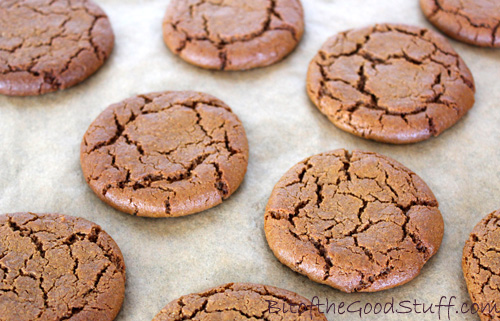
(390, 83)
(233, 34)
(481, 266)
(475, 22)
(358, 222)
(241, 302)
(50, 45)
(165, 154)
(58, 267)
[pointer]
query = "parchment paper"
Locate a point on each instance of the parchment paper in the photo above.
(166, 258)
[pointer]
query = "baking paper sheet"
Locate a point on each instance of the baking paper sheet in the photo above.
(166, 258)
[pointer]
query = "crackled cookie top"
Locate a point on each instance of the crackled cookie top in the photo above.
(233, 34)
(165, 154)
(57, 267)
(50, 45)
(358, 222)
(390, 83)
(481, 265)
(476, 22)
(240, 302)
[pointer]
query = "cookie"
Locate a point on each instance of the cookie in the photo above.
(165, 154)
(241, 302)
(50, 45)
(357, 222)
(233, 34)
(58, 267)
(390, 83)
(475, 22)
(481, 266)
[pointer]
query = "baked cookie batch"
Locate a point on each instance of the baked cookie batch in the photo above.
(356, 221)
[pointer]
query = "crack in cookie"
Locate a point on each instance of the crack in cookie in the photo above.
(240, 301)
(165, 154)
(56, 267)
(233, 34)
(475, 22)
(358, 222)
(390, 83)
(48, 46)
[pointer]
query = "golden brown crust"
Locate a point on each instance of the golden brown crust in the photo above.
(58, 267)
(481, 266)
(390, 83)
(240, 302)
(476, 22)
(358, 222)
(233, 34)
(51, 45)
(165, 154)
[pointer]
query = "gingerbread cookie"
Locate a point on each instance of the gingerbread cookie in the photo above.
(50, 45)
(233, 34)
(390, 83)
(57, 267)
(481, 266)
(165, 154)
(476, 22)
(241, 302)
(358, 222)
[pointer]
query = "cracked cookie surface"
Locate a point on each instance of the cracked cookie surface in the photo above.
(165, 154)
(358, 222)
(476, 22)
(47, 45)
(233, 34)
(481, 266)
(390, 83)
(240, 301)
(58, 267)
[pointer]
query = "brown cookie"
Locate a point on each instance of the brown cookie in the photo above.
(481, 266)
(50, 45)
(233, 34)
(165, 154)
(241, 301)
(58, 267)
(390, 83)
(476, 22)
(358, 222)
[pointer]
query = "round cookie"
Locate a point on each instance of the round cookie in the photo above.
(165, 154)
(241, 302)
(58, 267)
(233, 34)
(476, 22)
(390, 83)
(357, 222)
(481, 266)
(50, 45)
